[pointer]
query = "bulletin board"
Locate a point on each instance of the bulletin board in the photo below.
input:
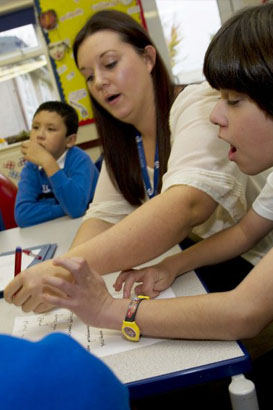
(60, 21)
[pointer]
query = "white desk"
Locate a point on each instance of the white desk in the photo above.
(160, 367)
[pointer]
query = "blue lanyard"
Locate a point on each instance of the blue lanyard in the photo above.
(151, 192)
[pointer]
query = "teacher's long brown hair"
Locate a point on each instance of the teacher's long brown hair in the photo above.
(118, 138)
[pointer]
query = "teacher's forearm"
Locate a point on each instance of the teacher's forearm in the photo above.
(148, 232)
(88, 230)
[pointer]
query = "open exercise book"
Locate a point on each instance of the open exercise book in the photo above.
(7, 260)
(101, 342)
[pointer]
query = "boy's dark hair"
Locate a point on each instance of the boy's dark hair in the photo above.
(122, 162)
(68, 113)
(240, 56)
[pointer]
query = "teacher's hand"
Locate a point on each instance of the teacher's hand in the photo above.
(26, 289)
(152, 280)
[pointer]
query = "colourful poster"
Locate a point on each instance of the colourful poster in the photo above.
(60, 21)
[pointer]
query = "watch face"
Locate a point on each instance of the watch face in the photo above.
(129, 331)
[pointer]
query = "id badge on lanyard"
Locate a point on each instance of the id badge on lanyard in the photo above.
(151, 192)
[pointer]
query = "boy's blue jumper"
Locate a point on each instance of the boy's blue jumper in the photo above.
(67, 192)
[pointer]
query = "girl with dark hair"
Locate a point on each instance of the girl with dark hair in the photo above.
(132, 218)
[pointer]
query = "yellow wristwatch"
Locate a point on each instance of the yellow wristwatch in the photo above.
(129, 327)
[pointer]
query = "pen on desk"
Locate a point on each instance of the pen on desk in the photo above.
(30, 253)
(18, 260)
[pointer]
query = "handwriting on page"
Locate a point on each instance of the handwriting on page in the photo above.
(101, 342)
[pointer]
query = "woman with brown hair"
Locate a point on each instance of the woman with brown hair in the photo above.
(154, 188)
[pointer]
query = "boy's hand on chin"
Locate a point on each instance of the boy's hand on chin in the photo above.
(35, 153)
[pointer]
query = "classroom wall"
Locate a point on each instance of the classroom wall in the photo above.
(88, 132)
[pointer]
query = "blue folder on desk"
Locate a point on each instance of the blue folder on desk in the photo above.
(46, 251)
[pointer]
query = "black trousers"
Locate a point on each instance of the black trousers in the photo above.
(222, 276)
(262, 377)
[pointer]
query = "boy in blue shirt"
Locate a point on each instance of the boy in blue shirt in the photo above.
(59, 178)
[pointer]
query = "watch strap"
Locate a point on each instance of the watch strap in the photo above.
(133, 307)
